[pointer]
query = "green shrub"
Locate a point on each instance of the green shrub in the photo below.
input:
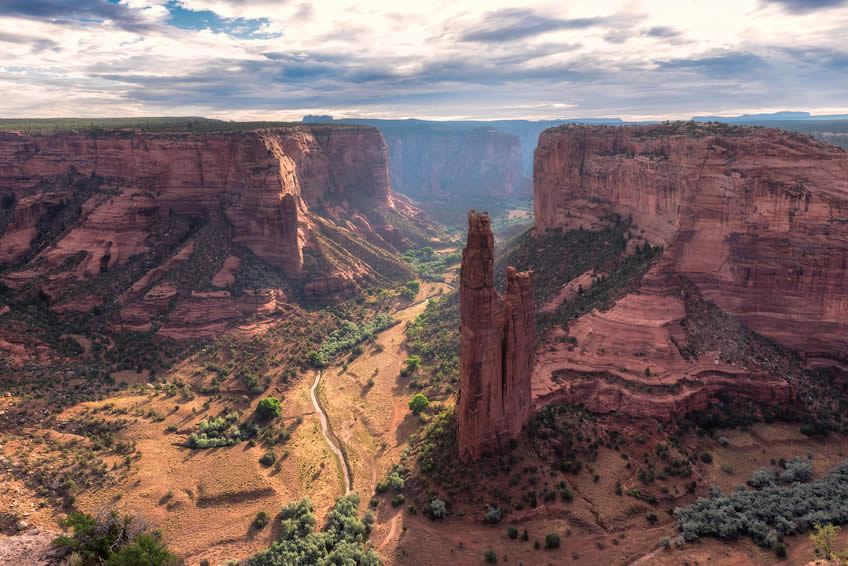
(268, 408)
(490, 556)
(398, 500)
(418, 403)
(114, 540)
(260, 520)
(512, 533)
(493, 515)
(551, 540)
(707, 458)
(268, 458)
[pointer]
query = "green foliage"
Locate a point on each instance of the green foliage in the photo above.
(418, 403)
(552, 540)
(268, 458)
(216, 431)
(770, 511)
(413, 363)
(512, 532)
(429, 265)
(823, 537)
(434, 336)
(409, 289)
(341, 542)
(437, 509)
(490, 557)
(493, 515)
(345, 338)
(114, 540)
(268, 408)
(260, 520)
(437, 448)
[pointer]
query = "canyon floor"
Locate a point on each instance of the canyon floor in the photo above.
(204, 501)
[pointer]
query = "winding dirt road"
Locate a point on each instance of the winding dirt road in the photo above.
(325, 431)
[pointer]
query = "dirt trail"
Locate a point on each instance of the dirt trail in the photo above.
(325, 431)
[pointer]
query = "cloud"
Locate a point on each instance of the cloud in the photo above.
(265, 59)
(513, 24)
(806, 6)
(75, 11)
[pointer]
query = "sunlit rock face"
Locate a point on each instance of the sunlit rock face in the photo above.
(180, 222)
(756, 218)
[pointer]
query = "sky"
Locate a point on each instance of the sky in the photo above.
(454, 59)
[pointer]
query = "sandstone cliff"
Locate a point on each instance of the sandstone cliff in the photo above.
(497, 338)
(756, 218)
(189, 232)
(754, 221)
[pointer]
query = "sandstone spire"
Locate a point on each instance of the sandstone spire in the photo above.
(497, 338)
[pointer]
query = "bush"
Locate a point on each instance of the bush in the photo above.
(342, 541)
(268, 408)
(796, 469)
(395, 481)
(551, 540)
(493, 515)
(418, 403)
(512, 533)
(260, 520)
(398, 500)
(763, 477)
(770, 511)
(114, 540)
(412, 363)
(652, 517)
(490, 556)
(438, 510)
(707, 458)
(268, 458)
(723, 440)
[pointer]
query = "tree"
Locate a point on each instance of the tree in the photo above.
(823, 537)
(268, 408)
(412, 363)
(551, 540)
(418, 403)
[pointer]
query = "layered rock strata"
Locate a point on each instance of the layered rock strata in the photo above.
(756, 218)
(497, 341)
(189, 232)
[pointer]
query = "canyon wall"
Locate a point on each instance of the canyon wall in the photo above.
(756, 218)
(496, 345)
(193, 231)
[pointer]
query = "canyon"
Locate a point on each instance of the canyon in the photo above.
(497, 336)
(187, 232)
(753, 221)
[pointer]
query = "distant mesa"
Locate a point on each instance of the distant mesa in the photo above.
(497, 347)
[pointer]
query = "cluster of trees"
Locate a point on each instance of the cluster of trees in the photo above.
(342, 541)
(768, 513)
(430, 265)
(348, 336)
(216, 431)
(113, 540)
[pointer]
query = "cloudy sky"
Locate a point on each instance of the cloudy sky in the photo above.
(264, 59)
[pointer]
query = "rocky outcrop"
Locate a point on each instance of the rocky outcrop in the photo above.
(756, 218)
(192, 231)
(497, 340)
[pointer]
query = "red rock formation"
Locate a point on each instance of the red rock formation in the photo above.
(88, 205)
(497, 338)
(756, 218)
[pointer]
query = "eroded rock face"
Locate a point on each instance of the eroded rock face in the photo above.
(497, 339)
(756, 218)
(193, 230)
